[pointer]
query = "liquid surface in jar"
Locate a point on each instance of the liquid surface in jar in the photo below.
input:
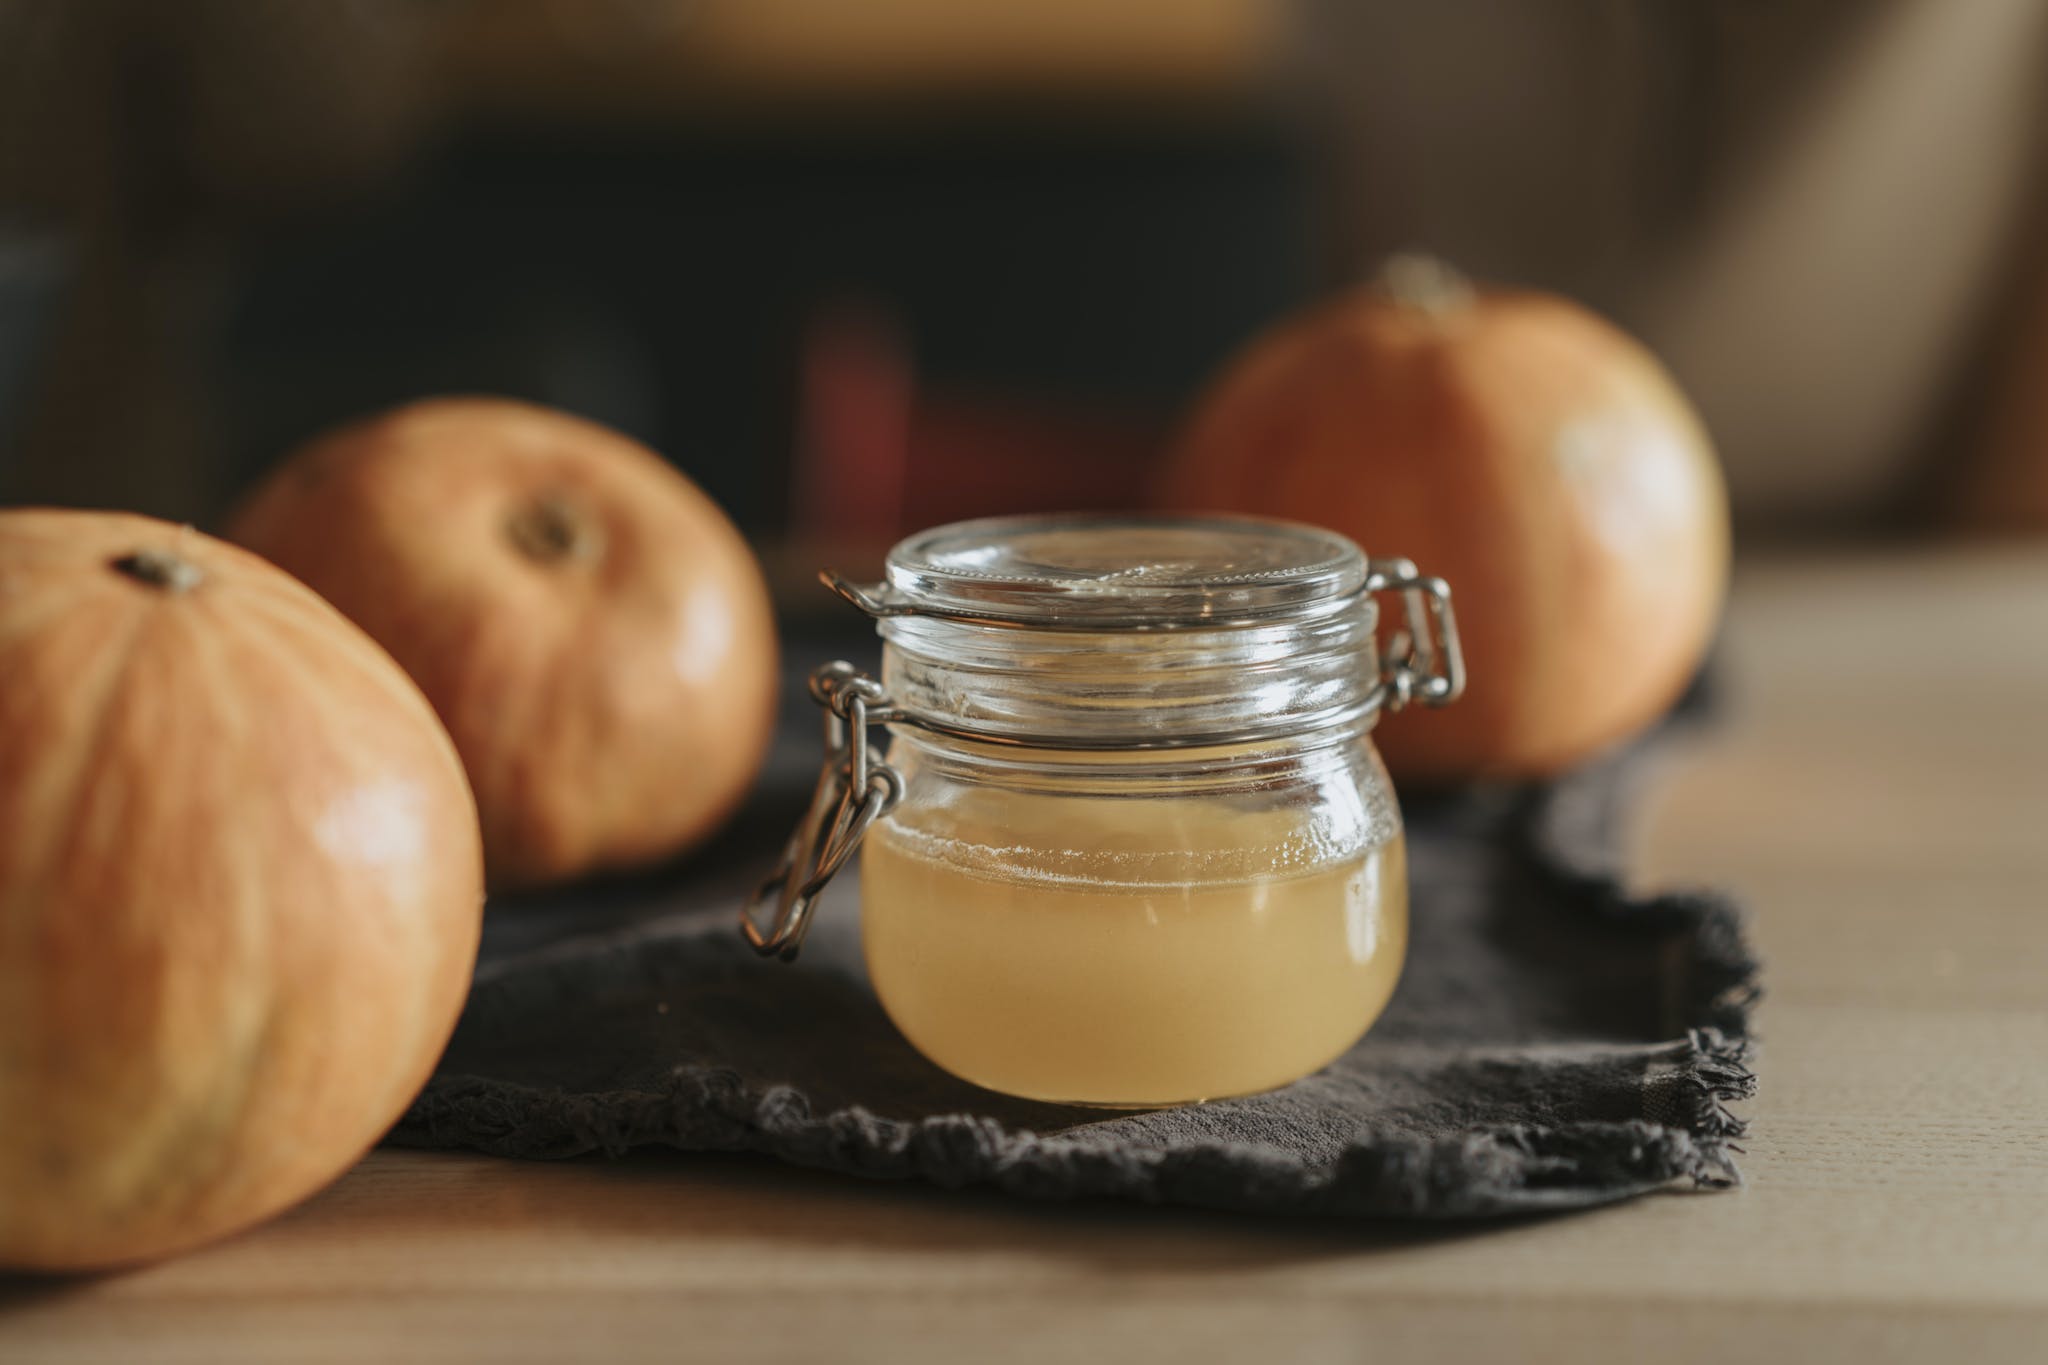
(1132, 951)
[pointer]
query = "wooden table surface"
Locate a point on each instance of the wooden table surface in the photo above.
(1879, 793)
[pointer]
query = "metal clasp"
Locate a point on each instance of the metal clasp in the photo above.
(1423, 661)
(875, 599)
(855, 789)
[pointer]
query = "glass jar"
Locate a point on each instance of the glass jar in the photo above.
(1131, 844)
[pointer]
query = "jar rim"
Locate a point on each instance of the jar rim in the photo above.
(1095, 571)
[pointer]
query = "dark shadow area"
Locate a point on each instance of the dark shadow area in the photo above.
(18, 1290)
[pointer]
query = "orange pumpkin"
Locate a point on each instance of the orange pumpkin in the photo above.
(240, 890)
(592, 629)
(1516, 445)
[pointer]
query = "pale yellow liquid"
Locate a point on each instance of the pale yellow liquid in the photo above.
(1128, 952)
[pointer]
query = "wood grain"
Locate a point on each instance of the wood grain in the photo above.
(1877, 791)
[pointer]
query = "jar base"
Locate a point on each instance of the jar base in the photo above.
(1130, 1106)
(1139, 1106)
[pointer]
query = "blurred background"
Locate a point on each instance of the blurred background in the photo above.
(862, 268)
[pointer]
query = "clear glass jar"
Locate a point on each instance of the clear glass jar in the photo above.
(1131, 844)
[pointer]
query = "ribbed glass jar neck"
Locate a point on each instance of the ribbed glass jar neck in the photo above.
(1132, 688)
(1276, 764)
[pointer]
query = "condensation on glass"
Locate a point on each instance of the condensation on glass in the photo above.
(1131, 844)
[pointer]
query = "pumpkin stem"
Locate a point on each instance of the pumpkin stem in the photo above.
(1421, 281)
(551, 528)
(160, 569)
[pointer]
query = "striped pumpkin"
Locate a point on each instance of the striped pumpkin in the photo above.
(240, 890)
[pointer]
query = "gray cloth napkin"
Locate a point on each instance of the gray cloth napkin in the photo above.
(1555, 1042)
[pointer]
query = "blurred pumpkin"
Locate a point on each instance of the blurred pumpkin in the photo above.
(592, 629)
(2000, 486)
(1518, 446)
(240, 890)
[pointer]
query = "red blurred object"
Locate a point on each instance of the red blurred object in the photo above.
(877, 458)
(855, 392)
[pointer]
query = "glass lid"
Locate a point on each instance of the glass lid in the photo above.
(1078, 571)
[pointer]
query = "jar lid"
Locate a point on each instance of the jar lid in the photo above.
(1084, 572)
